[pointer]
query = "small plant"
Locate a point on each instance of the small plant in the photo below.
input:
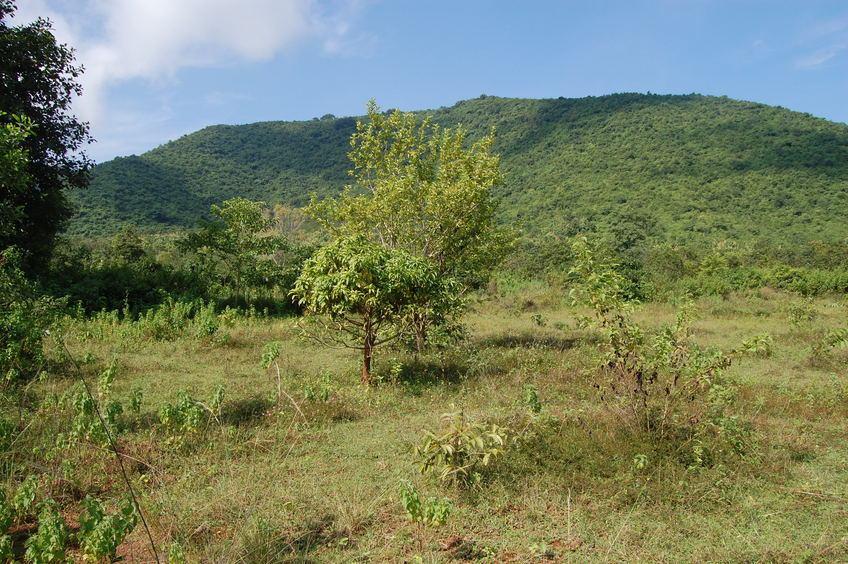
(25, 496)
(321, 392)
(539, 320)
(48, 544)
(531, 399)
(217, 401)
(542, 551)
(106, 379)
(135, 400)
(758, 345)
(802, 312)
(24, 318)
(456, 454)
(182, 418)
(7, 517)
(657, 385)
(100, 534)
(822, 351)
(85, 425)
(176, 553)
(430, 512)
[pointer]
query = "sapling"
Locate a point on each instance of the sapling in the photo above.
(460, 449)
(429, 512)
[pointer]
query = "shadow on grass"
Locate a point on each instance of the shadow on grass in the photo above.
(416, 374)
(530, 340)
(245, 411)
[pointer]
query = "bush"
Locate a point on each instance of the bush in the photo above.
(24, 318)
(457, 453)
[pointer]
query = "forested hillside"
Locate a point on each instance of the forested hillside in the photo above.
(678, 167)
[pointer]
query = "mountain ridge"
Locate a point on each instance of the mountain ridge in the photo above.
(692, 166)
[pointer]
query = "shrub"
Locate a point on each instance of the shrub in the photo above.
(457, 453)
(101, 533)
(658, 384)
(24, 318)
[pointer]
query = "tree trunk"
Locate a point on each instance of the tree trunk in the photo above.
(419, 324)
(367, 347)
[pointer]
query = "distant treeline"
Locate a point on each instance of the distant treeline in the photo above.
(132, 272)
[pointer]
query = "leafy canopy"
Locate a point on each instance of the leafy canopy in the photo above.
(420, 189)
(367, 292)
(38, 79)
(14, 178)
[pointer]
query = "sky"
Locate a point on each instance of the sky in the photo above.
(160, 69)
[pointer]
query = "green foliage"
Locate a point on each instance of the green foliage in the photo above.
(126, 273)
(14, 178)
(49, 542)
(176, 553)
(663, 385)
(598, 285)
(823, 349)
(456, 453)
(707, 168)
(24, 499)
(101, 533)
(419, 189)
(531, 399)
(7, 516)
(38, 79)
(321, 391)
(758, 345)
(24, 318)
(187, 417)
(433, 512)
(174, 319)
(270, 353)
(367, 292)
(801, 312)
(86, 424)
(238, 245)
(136, 399)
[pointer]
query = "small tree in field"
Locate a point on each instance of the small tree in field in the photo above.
(422, 189)
(367, 292)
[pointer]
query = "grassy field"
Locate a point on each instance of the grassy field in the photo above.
(311, 474)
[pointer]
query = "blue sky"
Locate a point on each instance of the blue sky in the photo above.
(158, 69)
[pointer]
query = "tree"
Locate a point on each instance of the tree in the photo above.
(420, 189)
(38, 80)
(367, 291)
(238, 244)
(14, 179)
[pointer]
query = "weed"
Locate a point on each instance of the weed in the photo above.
(100, 533)
(801, 312)
(531, 399)
(758, 345)
(48, 544)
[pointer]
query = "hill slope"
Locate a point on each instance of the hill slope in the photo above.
(692, 166)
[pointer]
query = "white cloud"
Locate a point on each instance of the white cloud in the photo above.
(118, 40)
(153, 40)
(818, 59)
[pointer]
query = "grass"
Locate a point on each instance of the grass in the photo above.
(307, 480)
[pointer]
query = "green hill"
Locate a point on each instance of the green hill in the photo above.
(688, 166)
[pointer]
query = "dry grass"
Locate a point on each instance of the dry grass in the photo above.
(266, 486)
